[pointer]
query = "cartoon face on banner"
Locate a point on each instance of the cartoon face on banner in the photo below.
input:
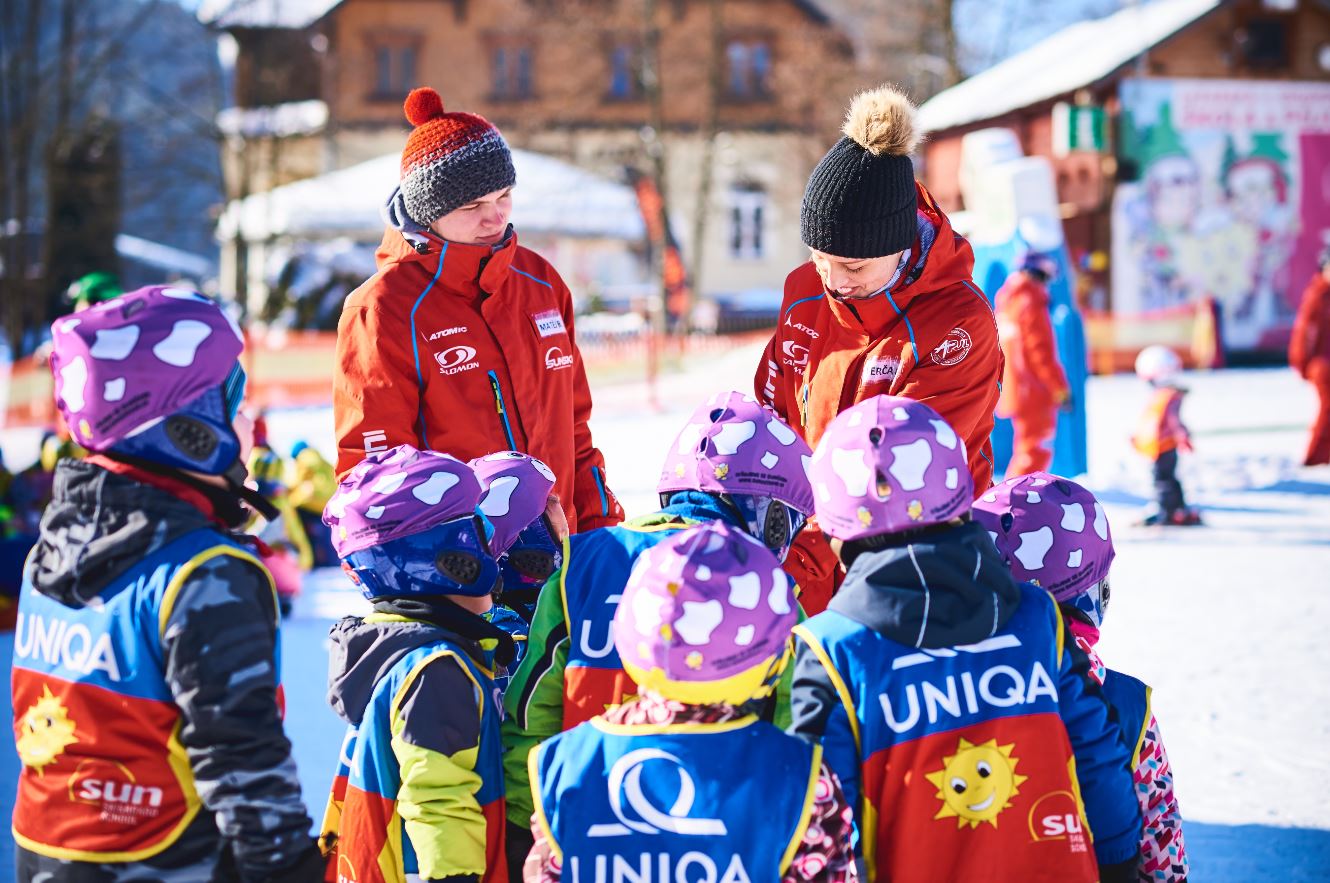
(1226, 201)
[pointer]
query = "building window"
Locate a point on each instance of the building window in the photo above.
(749, 63)
(625, 81)
(394, 70)
(748, 211)
(512, 72)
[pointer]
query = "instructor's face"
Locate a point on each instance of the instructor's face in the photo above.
(854, 277)
(482, 222)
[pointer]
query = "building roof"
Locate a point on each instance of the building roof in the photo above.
(263, 13)
(553, 197)
(1075, 57)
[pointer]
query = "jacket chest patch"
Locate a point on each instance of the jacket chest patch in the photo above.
(456, 359)
(549, 323)
(880, 370)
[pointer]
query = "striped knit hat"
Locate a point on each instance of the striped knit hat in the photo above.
(450, 158)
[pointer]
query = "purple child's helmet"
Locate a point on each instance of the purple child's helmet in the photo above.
(886, 465)
(515, 488)
(152, 374)
(735, 448)
(1054, 533)
(405, 523)
(705, 617)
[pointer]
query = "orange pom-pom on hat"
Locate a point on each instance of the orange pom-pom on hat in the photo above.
(450, 159)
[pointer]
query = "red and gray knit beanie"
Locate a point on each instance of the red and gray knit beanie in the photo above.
(450, 158)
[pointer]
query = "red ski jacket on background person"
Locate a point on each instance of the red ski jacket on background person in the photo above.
(930, 336)
(469, 349)
(1311, 329)
(1033, 384)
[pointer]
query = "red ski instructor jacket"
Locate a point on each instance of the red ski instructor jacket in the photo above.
(468, 349)
(930, 337)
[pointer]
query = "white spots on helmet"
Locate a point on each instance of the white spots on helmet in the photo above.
(337, 505)
(899, 413)
(744, 636)
(179, 348)
(715, 542)
(115, 344)
(778, 599)
(823, 492)
(646, 612)
(1033, 547)
(374, 513)
(185, 294)
(389, 483)
(1038, 482)
(1100, 521)
(953, 478)
(851, 469)
(990, 497)
(498, 499)
(64, 326)
(749, 399)
(1073, 517)
(543, 469)
(946, 436)
(856, 417)
(431, 491)
(745, 591)
(1033, 497)
(1074, 559)
(782, 433)
(74, 379)
(702, 573)
(699, 620)
(114, 390)
(910, 462)
(994, 537)
(730, 437)
(807, 461)
(688, 439)
(770, 460)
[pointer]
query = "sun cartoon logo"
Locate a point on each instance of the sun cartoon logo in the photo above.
(865, 517)
(977, 783)
(44, 732)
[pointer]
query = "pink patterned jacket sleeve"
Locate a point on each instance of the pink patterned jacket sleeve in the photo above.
(1163, 855)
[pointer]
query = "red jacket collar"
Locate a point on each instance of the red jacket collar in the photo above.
(467, 269)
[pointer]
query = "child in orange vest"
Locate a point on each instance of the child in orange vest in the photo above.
(1160, 434)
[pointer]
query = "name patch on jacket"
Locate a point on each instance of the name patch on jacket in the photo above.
(883, 370)
(549, 323)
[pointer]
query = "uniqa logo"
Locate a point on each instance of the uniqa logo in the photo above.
(555, 360)
(455, 359)
(625, 784)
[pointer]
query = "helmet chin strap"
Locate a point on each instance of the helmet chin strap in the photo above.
(227, 501)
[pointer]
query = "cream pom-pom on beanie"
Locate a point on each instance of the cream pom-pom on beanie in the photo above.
(861, 200)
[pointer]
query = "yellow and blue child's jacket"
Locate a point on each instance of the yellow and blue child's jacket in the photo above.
(419, 785)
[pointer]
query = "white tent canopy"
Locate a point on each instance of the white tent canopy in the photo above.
(1074, 57)
(552, 197)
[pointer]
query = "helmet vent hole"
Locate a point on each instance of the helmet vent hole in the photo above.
(883, 486)
(458, 567)
(1007, 521)
(875, 436)
(716, 414)
(1062, 487)
(194, 439)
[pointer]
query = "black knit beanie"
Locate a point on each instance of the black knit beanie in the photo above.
(861, 200)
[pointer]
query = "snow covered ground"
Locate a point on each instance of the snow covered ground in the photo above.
(1224, 621)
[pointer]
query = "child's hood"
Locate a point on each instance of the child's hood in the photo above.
(363, 652)
(950, 588)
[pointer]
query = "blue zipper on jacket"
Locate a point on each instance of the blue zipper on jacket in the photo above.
(600, 486)
(503, 412)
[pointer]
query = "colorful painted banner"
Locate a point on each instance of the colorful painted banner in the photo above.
(1229, 200)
